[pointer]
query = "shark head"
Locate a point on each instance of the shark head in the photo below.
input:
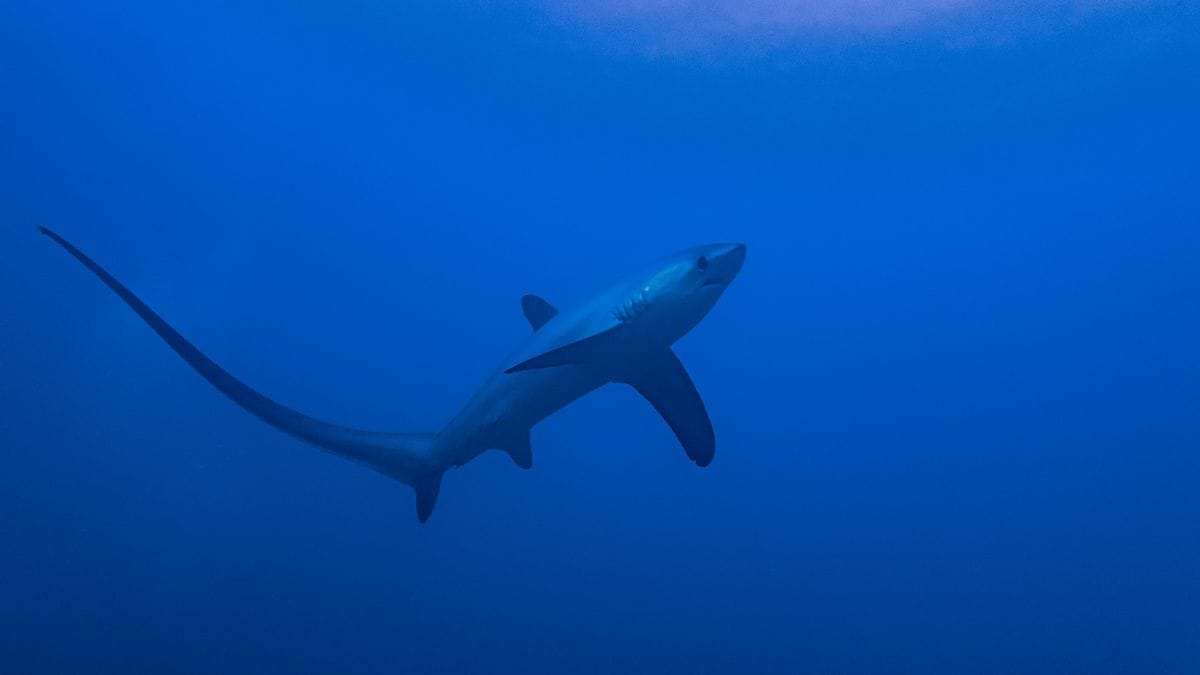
(681, 289)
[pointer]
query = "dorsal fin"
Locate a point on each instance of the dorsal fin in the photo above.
(537, 310)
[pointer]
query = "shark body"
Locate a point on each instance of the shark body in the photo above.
(622, 335)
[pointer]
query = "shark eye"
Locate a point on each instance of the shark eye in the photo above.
(702, 263)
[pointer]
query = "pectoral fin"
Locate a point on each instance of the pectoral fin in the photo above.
(589, 348)
(667, 386)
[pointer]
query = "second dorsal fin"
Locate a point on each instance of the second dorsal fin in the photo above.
(537, 310)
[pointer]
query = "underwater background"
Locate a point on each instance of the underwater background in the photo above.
(956, 387)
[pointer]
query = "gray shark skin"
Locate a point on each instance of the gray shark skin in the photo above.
(622, 335)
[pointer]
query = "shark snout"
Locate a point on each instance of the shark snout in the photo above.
(733, 259)
(725, 261)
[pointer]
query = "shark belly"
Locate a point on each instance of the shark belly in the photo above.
(507, 406)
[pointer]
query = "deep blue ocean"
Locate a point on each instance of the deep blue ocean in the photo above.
(956, 387)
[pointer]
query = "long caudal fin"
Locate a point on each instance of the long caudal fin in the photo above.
(405, 457)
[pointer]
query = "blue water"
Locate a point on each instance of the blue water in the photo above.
(956, 388)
